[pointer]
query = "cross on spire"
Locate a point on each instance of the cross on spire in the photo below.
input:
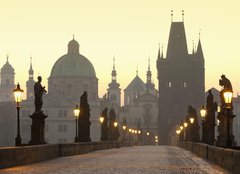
(7, 57)
(113, 62)
(171, 15)
(183, 15)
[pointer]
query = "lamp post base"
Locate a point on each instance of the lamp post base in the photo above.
(18, 141)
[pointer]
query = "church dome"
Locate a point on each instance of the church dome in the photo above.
(7, 68)
(73, 64)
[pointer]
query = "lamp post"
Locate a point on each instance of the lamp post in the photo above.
(76, 114)
(18, 98)
(185, 127)
(203, 113)
(228, 94)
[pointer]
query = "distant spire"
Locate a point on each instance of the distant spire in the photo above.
(31, 62)
(199, 48)
(199, 34)
(30, 71)
(7, 57)
(171, 15)
(159, 51)
(183, 15)
(162, 51)
(137, 71)
(148, 64)
(73, 36)
(193, 47)
(114, 63)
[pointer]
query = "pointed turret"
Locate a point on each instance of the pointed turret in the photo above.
(199, 49)
(30, 83)
(159, 56)
(114, 91)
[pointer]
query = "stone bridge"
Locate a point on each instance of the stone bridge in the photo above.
(125, 160)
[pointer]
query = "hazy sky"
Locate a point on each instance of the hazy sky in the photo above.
(129, 29)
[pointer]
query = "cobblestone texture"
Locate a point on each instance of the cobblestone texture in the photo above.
(133, 160)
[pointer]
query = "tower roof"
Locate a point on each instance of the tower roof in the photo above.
(199, 49)
(7, 67)
(177, 44)
(73, 64)
(136, 84)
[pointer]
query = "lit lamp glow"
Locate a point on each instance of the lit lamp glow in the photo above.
(101, 119)
(185, 124)
(139, 132)
(135, 131)
(115, 124)
(181, 127)
(124, 127)
(203, 112)
(130, 130)
(18, 94)
(228, 98)
(191, 120)
(148, 133)
(178, 131)
(218, 109)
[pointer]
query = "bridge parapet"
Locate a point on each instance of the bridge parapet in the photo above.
(22, 155)
(226, 158)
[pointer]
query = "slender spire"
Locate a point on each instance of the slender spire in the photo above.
(7, 58)
(137, 71)
(73, 37)
(199, 48)
(30, 71)
(193, 51)
(114, 63)
(162, 51)
(159, 51)
(182, 15)
(171, 15)
(148, 64)
(114, 73)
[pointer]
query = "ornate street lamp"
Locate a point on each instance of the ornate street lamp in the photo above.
(76, 114)
(18, 99)
(185, 124)
(203, 112)
(124, 127)
(228, 94)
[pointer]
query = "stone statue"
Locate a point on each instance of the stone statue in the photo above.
(39, 90)
(225, 82)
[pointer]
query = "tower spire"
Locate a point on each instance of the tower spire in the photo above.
(183, 15)
(7, 57)
(171, 15)
(159, 52)
(113, 62)
(162, 51)
(148, 64)
(193, 51)
(137, 71)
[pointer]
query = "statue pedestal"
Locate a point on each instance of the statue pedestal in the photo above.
(38, 128)
(225, 139)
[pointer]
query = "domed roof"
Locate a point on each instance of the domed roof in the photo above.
(73, 64)
(7, 68)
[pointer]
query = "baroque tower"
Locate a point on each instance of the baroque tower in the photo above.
(30, 83)
(7, 82)
(181, 81)
(114, 92)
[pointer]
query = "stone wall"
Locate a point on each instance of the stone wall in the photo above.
(22, 155)
(226, 158)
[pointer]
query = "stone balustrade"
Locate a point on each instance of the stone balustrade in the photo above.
(224, 157)
(22, 155)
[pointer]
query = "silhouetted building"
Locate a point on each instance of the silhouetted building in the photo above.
(7, 82)
(181, 80)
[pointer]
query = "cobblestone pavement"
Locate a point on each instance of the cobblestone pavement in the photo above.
(131, 160)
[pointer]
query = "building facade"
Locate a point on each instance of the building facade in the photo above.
(71, 75)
